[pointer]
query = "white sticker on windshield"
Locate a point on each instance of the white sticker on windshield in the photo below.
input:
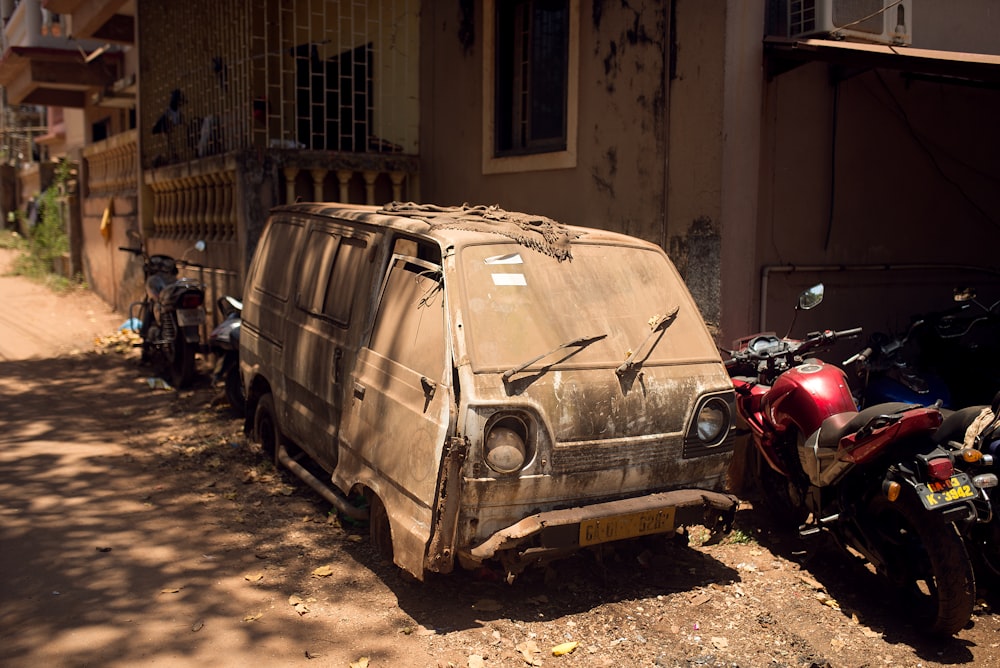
(509, 279)
(509, 258)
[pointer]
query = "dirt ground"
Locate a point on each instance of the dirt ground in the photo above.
(138, 527)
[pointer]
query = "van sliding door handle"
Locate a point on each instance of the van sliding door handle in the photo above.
(338, 358)
(428, 386)
(359, 390)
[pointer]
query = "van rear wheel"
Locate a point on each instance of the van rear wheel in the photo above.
(378, 528)
(265, 427)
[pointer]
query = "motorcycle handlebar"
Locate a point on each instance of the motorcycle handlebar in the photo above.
(847, 333)
(859, 358)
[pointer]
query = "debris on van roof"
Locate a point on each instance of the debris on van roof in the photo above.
(532, 231)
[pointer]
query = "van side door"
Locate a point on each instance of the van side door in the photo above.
(396, 426)
(324, 341)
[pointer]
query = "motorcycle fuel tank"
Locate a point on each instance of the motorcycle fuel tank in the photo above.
(806, 395)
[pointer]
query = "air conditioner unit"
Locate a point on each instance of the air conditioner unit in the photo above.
(879, 21)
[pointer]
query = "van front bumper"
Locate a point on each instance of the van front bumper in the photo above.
(568, 529)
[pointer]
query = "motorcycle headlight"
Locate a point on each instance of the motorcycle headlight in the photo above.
(713, 420)
(505, 447)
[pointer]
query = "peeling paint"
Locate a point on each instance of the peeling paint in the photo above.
(698, 256)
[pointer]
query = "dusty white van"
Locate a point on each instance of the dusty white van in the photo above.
(498, 386)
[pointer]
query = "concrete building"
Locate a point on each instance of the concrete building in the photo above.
(762, 151)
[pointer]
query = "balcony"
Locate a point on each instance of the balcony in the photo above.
(41, 65)
(108, 21)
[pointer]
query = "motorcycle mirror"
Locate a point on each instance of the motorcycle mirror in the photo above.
(964, 294)
(811, 298)
(807, 300)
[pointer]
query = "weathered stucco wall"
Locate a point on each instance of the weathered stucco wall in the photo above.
(874, 168)
(617, 183)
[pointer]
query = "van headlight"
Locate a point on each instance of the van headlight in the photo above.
(713, 420)
(505, 447)
(708, 432)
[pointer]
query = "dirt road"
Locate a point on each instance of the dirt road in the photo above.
(138, 526)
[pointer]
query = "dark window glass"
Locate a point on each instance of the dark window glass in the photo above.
(275, 270)
(532, 69)
(344, 280)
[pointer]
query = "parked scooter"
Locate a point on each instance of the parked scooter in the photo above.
(951, 358)
(171, 314)
(974, 432)
(224, 342)
(874, 479)
(886, 371)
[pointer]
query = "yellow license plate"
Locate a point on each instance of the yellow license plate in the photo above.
(941, 494)
(621, 527)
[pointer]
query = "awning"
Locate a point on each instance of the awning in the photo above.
(782, 54)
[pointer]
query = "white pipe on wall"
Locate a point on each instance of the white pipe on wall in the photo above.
(767, 270)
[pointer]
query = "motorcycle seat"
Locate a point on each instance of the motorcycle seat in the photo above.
(955, 424)
(840, 425)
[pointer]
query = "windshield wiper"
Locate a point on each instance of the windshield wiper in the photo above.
(657, 324)
(580, 342)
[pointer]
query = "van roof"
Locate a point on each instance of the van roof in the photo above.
(534, 231)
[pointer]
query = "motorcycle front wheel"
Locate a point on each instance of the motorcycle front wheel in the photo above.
(925, 561)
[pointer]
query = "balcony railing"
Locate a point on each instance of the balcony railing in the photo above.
(198, 199)
(195, 200)
(112, 165)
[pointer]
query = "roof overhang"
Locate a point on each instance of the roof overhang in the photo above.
(783, 54)
(53, 77)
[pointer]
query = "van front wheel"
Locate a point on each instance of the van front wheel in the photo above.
(265, 427)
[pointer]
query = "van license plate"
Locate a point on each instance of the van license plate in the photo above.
(621, 527)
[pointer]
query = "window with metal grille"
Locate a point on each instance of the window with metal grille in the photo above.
(330, 75)
(532, 72)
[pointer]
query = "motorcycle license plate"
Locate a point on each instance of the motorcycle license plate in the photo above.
(621, 527)
(190, 316)
(944, 493)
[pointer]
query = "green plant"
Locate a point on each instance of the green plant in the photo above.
(739, 537)
(47, 240)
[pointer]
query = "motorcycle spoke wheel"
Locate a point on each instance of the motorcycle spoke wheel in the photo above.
(926, 562)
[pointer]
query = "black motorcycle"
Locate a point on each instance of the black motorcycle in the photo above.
(974, 433)
(224, 342)
(171, 315)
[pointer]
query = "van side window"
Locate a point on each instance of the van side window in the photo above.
(320, 251)
(278, 246)
(409, 326)
(343, 282)
(423, 250)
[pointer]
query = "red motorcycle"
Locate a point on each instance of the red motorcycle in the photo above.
(874, 479)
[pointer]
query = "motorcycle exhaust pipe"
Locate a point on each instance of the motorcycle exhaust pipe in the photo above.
(338, 500)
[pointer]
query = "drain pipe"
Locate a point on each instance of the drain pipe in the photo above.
(767, 270)
(338, 500)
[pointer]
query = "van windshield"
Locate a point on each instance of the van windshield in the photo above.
(518, 303)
